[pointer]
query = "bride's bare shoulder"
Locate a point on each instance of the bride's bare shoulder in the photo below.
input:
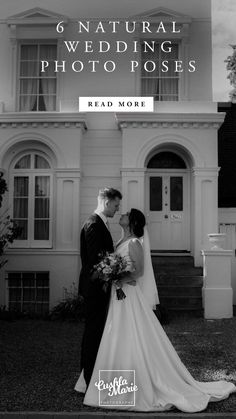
(135, 243)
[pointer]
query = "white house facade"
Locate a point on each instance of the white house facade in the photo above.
(55, 158)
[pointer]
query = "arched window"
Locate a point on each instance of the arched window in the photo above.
(166, 160)
(32, 199)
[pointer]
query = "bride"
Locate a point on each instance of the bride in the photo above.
(137, 368)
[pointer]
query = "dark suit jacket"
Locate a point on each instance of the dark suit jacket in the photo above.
(95, 239)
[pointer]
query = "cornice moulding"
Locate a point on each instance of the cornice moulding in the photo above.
(169, 120)
(45, 120)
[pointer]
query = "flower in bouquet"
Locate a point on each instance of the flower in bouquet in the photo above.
(111, 269)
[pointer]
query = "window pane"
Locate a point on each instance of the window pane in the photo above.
(29, 69)
(28, 294)
(14, 275)
(23, 224)
(166, 160)
(28, 103)
(155, 194)
(46, 103)
(29, 52)
(42, 186)
(41, 230)
(42, 294)
(20, 208)
(14, 283)
(169, 89)
(28, 275)
(172, 54)
(20, 205)
(43, 283)
(21, 186)
(28, 87)
(150, 86)
(41, 209)
(47, 52)
(23, 163)
(176, 194)
(42, 279)
(27, 282)
(15, 294)
(40, 162)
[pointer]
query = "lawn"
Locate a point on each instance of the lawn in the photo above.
(39, 361)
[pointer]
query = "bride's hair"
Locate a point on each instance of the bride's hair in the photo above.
(137, 222)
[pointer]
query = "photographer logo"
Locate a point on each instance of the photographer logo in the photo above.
(116, 387)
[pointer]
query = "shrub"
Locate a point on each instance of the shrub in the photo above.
(9, 231)
(231, 67)
(70, 308)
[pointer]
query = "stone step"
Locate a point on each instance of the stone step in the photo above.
(164, 291)
(173, 260)
(179, 270)
(181, 302)
(179, 281)
(185, 312)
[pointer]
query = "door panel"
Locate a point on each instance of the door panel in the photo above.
(168, 210)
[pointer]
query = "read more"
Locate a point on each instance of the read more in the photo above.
(116, 104)
(120, 104)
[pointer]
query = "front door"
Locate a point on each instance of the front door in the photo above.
(168, 208)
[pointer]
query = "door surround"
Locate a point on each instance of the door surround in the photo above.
(169, 228)
(196, 143)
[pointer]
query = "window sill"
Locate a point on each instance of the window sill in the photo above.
(40, 251)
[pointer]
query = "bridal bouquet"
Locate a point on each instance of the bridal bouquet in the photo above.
(111, 269)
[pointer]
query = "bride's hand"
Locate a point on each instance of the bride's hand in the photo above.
(131, 282)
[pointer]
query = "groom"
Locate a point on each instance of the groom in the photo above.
(95, 239)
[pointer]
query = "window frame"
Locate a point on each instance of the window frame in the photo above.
(158, 40)
(32, 173)
(36, 42)
(21, 287)
(181, 38)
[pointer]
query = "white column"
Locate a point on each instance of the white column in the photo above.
(205, 208)
(217, 292)
(133, 189)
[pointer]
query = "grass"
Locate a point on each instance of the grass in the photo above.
(39, 361)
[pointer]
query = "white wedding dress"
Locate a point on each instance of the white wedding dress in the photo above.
(133, 339)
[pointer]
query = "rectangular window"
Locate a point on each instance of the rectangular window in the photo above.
(28, 292)
(37, 90)
(159, 77)
(32, 209)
